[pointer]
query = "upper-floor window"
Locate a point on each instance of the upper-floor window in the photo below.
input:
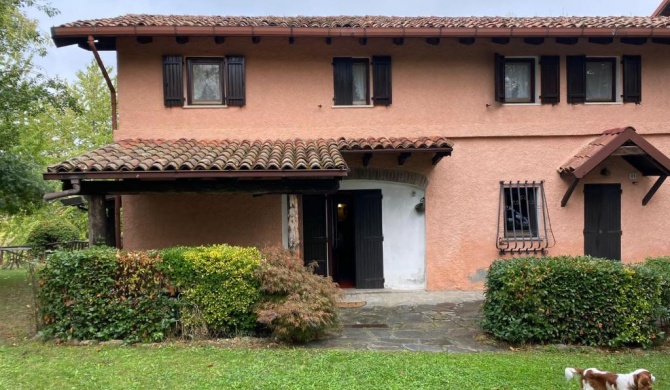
(352, 85)
(210, 81)
(600, 79)
(516, 79)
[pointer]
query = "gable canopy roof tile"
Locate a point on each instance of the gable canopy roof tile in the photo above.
(232, 158)
(360, 26)
(641, 155)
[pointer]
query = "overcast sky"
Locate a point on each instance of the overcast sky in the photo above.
(66, 61)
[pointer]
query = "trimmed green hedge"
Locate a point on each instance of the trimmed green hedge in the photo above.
(217, 286)
(51, 231)
(100, 294)
(576, 300)
(660, 266)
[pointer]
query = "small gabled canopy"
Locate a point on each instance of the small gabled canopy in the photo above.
(624, 142)
(663, 9)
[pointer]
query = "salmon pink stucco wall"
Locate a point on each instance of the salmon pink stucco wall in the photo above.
(159, 221)
(444, 90)
(463, 194)
(437, 90)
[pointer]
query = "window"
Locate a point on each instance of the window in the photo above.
(351, 78)
(210, 81)
(523, 220)
(515, 79)
(596, 79)
(205, 81)
(520, 211)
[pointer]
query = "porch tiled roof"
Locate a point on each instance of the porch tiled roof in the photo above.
(351, 144)
(137, 155)
(486, 22)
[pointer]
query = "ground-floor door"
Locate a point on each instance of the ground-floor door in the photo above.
(343, 234)
(602, 220)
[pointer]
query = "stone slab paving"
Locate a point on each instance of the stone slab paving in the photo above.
(411, 321)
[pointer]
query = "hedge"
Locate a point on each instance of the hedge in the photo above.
(660, 266)
(100, 294)
(575, 300)
(51, 231)
(217, 286)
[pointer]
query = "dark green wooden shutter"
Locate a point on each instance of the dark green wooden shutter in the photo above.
(550, 90)
(343, 76)
(315, 232)
(369, 239)
(235, 81)
(632, 79)
(602, 220)
(381, 80)
(173, 83)
(576, 72)
(499, 77)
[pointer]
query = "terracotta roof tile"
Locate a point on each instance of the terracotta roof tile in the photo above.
(233, 155)
(377, 21)
(588, 151)
(350, 144)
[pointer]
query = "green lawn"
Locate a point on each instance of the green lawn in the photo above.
(32, 365)
(48, 366)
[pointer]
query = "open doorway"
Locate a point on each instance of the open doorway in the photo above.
(343, 234)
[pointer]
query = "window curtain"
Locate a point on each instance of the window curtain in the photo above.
(359, 90)
(517, 81)
(599, 81)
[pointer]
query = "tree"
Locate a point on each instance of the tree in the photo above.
(24, 92)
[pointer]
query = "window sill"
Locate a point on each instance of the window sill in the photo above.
(354, 106)
(205, 106)
(521, 104)
(603, 103)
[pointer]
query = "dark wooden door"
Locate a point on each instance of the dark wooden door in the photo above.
(602, 220)
(315, 232)
(369, 239)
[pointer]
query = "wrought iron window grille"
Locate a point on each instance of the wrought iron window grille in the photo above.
(523, 218)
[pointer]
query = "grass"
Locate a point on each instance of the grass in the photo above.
(40, 366)
(32, 365)
(16, 321)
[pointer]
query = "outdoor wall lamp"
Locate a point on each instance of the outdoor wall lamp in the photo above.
(421, 206)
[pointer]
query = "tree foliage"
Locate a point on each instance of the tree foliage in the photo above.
(42, 120)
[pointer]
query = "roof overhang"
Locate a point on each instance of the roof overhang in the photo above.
(106, 35)
(261, 167)
(625, 143)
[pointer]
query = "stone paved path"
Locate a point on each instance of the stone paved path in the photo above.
(419, 321)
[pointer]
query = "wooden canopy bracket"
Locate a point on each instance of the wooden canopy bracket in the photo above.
(653, 190)
(402, 158)
(569, 192)
(438, 157)
(366, 159)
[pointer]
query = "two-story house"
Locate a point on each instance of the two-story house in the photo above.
(403, 153)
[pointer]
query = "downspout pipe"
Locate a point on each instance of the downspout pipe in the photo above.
(112, 93)
(76, 187)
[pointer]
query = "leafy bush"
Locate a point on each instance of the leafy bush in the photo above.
(49, 231)
(571, 300)
(297, 305)
(100, 294)
(660, 266)
(217, 285)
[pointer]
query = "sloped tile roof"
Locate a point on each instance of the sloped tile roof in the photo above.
(604, 145)
(588, 151)
(224, 155)
(376, 21)
(371, 144)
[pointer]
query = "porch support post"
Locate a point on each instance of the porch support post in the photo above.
(293, 224)
(653, 190)
(97, 221)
